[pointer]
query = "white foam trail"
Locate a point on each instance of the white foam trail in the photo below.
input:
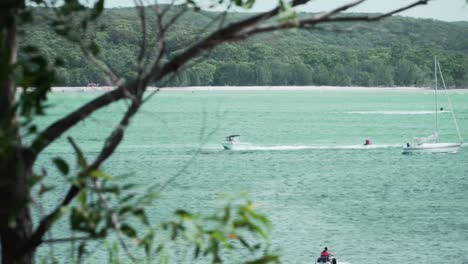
(396, 112)
(302, 147)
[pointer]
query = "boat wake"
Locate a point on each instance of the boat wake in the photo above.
(396, 112)
(304, 147)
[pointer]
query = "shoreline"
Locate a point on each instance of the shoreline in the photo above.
(259, 88)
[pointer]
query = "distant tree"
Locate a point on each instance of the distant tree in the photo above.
(102, 206)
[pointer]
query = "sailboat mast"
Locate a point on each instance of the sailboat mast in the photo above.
(435, 96)
(450, 104)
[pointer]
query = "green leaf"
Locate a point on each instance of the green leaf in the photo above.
(183, 214)
(245, 243)
(197, 251)
(128, 186)
(44, 189)
(79, 154)
(61, 165)
(148, 198)
(125, 209)
(82, 198)
(147, 241)
(115, 189)
(227, 214)
(159, 249)
(220, 237)
(128, 231)
(127, 198)
(63, 210)
(141, 214)
(259, 217)
(99, 174)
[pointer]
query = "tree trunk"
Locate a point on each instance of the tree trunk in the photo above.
(15, 218)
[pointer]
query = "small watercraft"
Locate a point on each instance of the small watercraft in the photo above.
(367, 142)
(231, 141)
(327, 260)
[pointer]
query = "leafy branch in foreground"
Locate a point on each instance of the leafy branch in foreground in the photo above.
(236, 226)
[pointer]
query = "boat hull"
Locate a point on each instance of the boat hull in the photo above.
(432, 148)
(227, 146)
(236, 146)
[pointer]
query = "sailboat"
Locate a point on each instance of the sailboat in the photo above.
(431, 144)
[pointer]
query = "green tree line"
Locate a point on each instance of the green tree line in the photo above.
(396, 52)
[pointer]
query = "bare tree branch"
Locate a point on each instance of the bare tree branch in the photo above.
(221, 17)
(55, 130)
(67, 240)
(112, 78)
(176, 17)
(214, 39)
(163, 13)
(142, 15)
(328, 17)
(162, 34)
(164, 27)
(110, 75)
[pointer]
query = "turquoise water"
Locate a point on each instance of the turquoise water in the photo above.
(305, 167)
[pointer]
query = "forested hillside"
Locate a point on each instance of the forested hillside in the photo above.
(395, 52)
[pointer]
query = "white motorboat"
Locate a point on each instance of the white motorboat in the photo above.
(431, 143)
(432, 148)
(233, 142)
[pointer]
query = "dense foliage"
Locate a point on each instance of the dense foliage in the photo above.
(395, 52)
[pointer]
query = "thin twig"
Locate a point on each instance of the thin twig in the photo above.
(142, 15)
(162, 35)
(68, 239)
(112, 77)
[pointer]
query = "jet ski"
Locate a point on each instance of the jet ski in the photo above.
(326, 260)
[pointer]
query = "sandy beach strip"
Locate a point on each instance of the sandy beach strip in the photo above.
(261, 88)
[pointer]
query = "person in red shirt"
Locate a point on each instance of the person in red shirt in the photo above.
(325, 255)
(367, 142)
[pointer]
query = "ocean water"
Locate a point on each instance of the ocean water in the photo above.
(304, 166)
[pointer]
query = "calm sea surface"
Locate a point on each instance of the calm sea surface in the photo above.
(305, 167)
